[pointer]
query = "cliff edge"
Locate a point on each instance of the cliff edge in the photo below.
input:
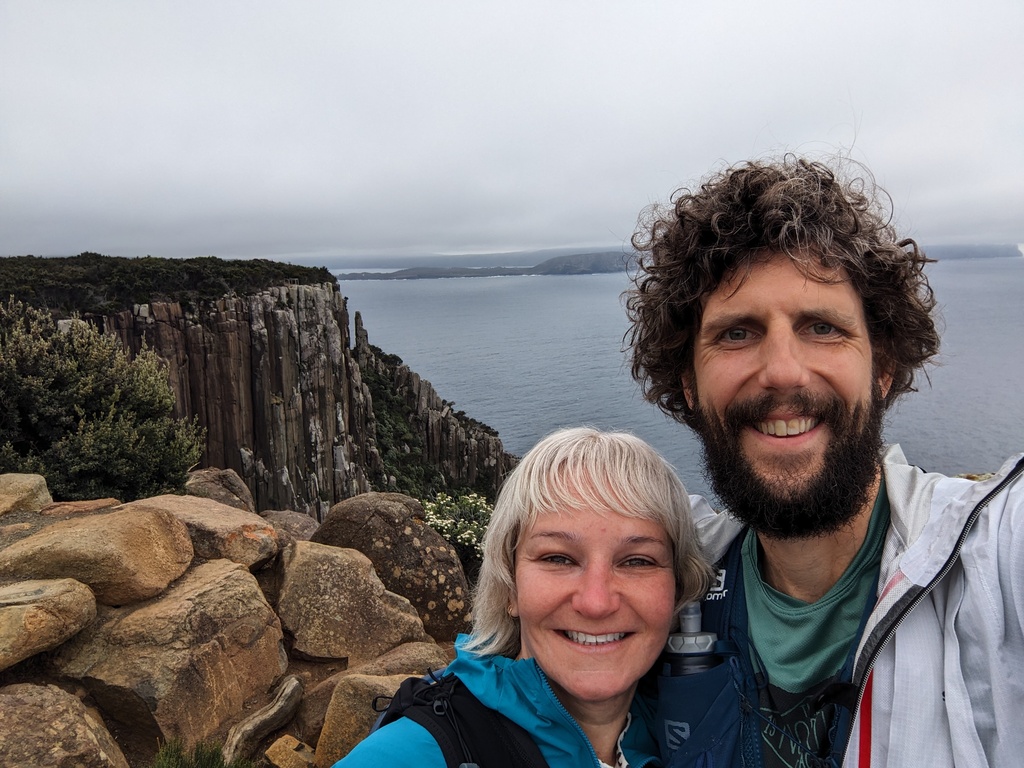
(287, 400)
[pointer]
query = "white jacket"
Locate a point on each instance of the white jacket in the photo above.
(940, 665)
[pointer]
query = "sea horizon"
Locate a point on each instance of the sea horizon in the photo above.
(526, 355)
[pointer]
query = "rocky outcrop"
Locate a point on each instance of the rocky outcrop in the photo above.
(217, 530)
(466, 452)
(38, 615)
(420, 657)
(123, 556)
(290, 526)
(274, 379)
(18, 492)
(218, 643)
(410, 557)
(223, 485)
(347, 720)
(47, 727)
(364, 620)
(180, 617)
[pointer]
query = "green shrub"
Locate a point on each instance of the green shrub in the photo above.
(91, 283)
(204, 755)
(462, 522)
(75, 408)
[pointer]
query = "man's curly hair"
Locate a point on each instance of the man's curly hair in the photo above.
(740, 216)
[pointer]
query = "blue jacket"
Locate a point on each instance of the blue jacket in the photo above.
(520, 691)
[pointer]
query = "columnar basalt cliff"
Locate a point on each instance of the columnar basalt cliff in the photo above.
(274, 379)
(467, 453)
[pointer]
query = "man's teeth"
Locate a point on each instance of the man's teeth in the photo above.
(585, 639)
(782, 428)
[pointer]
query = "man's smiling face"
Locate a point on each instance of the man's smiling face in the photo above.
(787, 401)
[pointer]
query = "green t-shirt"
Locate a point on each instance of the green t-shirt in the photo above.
(801, 647)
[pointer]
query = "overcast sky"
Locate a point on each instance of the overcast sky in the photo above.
(280, 129)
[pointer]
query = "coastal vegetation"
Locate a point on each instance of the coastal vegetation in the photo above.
(173, 754)
(462, 521)
(83, 414)
(399, 439)
(100, 288)
(94, 284)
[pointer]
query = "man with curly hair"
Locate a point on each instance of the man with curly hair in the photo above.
(867, 612)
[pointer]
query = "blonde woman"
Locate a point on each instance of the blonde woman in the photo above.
(588, 555)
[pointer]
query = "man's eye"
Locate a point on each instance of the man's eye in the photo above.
(822, 329)
(735, 334)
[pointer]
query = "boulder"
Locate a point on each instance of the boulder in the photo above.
(44, 726)
(184, 664)
(351, 714)
(334, 606)
(408, 660)
(410, 557)
(217, 530)
(291, 526)
(289, 752)
(39, 615)
(23, 493)
(124, 556)
(223, 485)
(69, 508)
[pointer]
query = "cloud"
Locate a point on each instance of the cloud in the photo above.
(261, 129)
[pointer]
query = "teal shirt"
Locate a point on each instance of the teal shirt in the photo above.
(802, 647)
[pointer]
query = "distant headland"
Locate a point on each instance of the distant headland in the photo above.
(571, 264)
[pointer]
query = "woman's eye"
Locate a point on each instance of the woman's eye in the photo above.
(637, 562)
(556, 559)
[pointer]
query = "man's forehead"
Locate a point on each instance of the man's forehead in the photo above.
(803, 268)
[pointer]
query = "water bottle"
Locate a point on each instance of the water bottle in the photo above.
(690, 650)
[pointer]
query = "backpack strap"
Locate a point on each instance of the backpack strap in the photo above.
(469, 734)
(724, 601)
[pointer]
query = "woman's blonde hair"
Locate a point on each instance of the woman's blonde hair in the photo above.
(580, 469)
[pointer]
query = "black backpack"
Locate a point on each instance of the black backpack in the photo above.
(469, 734)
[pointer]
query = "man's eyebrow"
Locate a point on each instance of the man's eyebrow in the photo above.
(830, 315)
(724, 322)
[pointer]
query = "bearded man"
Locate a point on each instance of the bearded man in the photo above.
(867, 612)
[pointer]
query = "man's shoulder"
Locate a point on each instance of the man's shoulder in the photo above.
(715, 529)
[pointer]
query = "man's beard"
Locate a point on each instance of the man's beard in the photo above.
(781, 505)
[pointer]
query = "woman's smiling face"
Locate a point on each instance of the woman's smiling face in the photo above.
(595, 596)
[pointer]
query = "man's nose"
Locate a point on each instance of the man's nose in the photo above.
(597, 594)
(783, 362)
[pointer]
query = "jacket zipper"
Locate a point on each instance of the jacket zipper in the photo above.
(946, 567)
(579, 730)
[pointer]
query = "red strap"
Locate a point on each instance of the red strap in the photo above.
(864, 744)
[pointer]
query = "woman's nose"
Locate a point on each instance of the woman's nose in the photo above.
(597, 594)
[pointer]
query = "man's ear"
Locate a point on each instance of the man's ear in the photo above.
(884, 378)
(689, 391)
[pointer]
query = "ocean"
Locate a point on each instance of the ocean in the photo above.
(527, 355)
